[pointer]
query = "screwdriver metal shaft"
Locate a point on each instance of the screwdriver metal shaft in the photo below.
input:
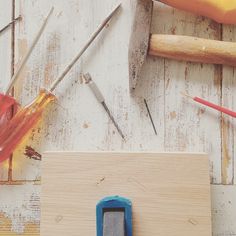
(29, 52)
(82, 51)
(11, 23)
(97, 93)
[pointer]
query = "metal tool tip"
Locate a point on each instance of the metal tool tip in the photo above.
(87, 77)
(116, 9)
(52, 9)
(118, 6)
(50, 13)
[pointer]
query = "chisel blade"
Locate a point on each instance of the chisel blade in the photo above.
(114, 223)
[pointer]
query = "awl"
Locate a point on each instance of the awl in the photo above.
(100, 98)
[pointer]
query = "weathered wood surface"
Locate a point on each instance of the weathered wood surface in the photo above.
(5, 60)
(78, 122)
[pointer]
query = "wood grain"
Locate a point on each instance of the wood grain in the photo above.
(194, 49)
(161, 188)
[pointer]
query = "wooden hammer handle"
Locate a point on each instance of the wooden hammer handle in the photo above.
(193, 49)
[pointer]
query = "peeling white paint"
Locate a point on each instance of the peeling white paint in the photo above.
(20, 204)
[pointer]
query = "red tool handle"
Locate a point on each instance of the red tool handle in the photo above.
(5, 103)
(216, 107)
(14, 132)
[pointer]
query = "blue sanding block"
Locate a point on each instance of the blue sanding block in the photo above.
(114, 217)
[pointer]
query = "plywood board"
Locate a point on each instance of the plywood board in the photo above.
(170, 193)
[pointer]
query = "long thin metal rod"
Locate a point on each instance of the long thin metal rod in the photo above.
(11, 23)
(24, 60)
(150, 116)
(93, 37)
(113, 120)
(100, 98)
(114, 223)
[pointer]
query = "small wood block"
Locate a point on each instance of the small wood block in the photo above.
(114, 223)
(170, 193)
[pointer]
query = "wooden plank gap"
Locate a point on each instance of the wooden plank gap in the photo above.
(227, 127)
(20, 182)
(12, 73)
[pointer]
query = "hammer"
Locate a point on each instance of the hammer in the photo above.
(186, 48)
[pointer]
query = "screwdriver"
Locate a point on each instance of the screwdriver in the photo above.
(97, 93)
(7, 101)
(18, 126)
(29, 116)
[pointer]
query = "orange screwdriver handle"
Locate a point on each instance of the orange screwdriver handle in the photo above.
(22, 123)
(222, 11)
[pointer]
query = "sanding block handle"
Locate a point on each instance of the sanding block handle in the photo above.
(114, 216)
(193, 49)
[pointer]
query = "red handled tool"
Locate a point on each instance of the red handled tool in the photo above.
(212, 105)
(7, 101)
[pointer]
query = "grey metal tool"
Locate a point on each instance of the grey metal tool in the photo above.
(150, 116)
(11, 23)
(114, 223)
(97, 93)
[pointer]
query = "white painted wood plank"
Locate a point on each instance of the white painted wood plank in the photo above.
(228, 123)
(224, 210)
(5, 61)
(19, 210)
(189, 126)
